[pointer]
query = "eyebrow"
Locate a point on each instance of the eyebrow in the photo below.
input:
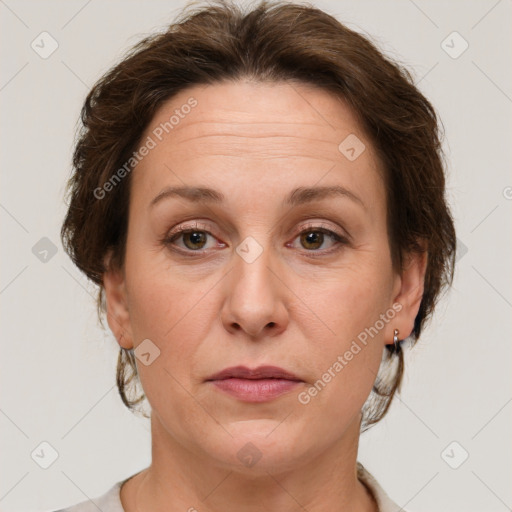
(296, 197)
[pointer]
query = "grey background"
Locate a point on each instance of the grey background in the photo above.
(58, 367)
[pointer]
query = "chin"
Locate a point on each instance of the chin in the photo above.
(262, 446)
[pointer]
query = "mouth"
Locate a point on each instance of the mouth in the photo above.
(255, 385)
(262, 372)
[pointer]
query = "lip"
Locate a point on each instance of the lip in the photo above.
(255, 385)
(261, 372)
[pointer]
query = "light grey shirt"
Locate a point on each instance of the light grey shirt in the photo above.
(111, 501)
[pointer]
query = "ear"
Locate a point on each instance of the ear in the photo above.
(408, 293)
(118, 315)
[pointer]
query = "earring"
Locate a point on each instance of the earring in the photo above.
(396, 343)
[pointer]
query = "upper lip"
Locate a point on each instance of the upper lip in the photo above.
(262, 372)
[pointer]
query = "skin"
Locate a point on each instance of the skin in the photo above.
(211, 309)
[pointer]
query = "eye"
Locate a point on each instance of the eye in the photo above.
(313, 237)
(194, 238)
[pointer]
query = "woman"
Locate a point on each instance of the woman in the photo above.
(260, 198)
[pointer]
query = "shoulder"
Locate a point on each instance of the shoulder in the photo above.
(384, 502)
(110, 501)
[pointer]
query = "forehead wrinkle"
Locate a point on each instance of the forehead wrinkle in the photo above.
(253, 120)
(292, 148)
(256, 121)
(254, 136)
(267, 157)
(254, 128)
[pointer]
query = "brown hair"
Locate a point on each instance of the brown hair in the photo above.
(274, 41)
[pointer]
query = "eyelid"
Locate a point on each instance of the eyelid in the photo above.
(204, 227)
(185, 227)
(319, 225)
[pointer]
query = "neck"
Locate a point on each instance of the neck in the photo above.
(182, 479)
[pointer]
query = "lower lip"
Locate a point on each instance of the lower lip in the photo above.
(256, 390)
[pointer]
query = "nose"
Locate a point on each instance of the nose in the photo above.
(256, 295)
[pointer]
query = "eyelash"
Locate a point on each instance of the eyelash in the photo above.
(339, 239)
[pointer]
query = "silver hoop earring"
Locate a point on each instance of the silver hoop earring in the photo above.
(396, 343)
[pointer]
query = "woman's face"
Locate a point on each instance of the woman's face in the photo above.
(274, 271)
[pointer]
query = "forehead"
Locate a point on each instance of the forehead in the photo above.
(234, 132)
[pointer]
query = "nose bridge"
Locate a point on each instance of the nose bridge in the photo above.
(253, 261)
(255, 297)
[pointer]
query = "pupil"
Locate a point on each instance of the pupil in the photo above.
(196, 237)
(314, 237)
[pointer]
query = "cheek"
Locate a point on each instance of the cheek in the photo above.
(351, 298)
(346, 362)
(162, 305)
(174, 310)
(164, 310)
